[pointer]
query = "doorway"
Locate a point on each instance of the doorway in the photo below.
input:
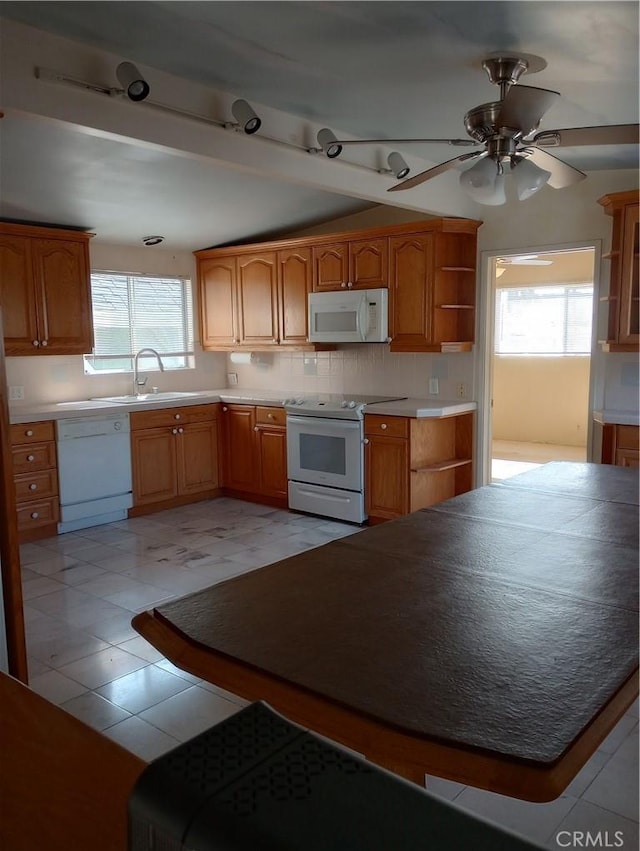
(540, 368)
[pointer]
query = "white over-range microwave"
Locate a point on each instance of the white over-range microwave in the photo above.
(353, 316)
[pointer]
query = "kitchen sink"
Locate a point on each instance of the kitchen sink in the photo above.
(148, 397)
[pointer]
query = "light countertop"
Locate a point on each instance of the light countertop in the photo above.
(25, 412)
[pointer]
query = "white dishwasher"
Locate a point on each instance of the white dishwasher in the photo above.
(94, 470)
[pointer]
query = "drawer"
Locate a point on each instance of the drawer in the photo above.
(389, 426)
(41, 512)
(173, 416)
(30, 486)
(36, 456)
(627, 436)
(271, 416)
(32, 432)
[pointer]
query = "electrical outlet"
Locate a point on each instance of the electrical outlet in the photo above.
(16, 393)
(232, 378)
(461, 390)
(434, 388)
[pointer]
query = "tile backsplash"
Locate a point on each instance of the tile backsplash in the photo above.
(359, 369)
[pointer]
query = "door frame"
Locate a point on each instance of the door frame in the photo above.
(486, 322)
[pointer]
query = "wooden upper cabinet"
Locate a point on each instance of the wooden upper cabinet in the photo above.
(294, 286)
(218, 302)
(359, 264)
(369, 263)
(624, 285)
(45, 290)
(330, 266)
(410, 297)
(257, 298)
(256, 295)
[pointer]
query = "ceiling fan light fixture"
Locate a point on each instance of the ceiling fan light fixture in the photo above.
(398, 165)
(484, 182)
(529, 178)
(246, 116)
(134, 84)
(329, 143)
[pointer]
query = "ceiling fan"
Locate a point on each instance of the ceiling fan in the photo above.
(506, 130)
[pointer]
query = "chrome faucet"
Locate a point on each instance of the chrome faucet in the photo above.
(138, 384)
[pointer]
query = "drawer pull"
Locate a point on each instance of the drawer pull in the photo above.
(225, 409)
(28, 433)
(176, 416)
(383, 426)
(180, 431)
(34, 515)
(31, 457)
(33, 486)
(270, 416)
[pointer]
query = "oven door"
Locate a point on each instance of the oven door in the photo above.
(325, 452)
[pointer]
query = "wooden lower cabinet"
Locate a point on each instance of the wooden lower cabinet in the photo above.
(411, 463)
(174, 454)
(35, 479)
(621, 445)
(255, 452)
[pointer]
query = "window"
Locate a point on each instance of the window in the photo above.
(547, 320)
(131, 312)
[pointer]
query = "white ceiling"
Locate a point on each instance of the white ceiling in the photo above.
(366, 69)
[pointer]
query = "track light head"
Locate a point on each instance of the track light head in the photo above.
(329, 143)
(134, 84)
(245, 116)
(397, 165)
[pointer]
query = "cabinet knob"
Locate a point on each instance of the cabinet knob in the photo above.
(343, 285)
(35, 342)
(34, 515)
(174, 431)
(33, 486)
(180, 431)
(270, 416)
(44, 343)
(31, 457)
(176, 416)
(255, 428)
(29, 432)
(225, 409)
(383, 426)
(366, 441)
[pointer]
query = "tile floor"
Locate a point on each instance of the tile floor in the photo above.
(82, 588)
(510, 457)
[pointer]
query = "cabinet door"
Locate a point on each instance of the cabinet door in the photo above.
(294, 286)
(410, 295)
(369, 263)
(197, 458)
(629, 285)
(17, 295)
(63, 300)
(272, 454)
(153, 456)
(218, 302)
(330, 266)
(240, 462)
(258, 299)
(386, 477)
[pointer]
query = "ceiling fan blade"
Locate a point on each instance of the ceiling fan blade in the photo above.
(524, 106)
(417, 179)
(614, 134)
(562, 174)
(457, 142)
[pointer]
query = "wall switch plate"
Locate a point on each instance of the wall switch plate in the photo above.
(16, 393)
(232, 378)
(434, 387)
